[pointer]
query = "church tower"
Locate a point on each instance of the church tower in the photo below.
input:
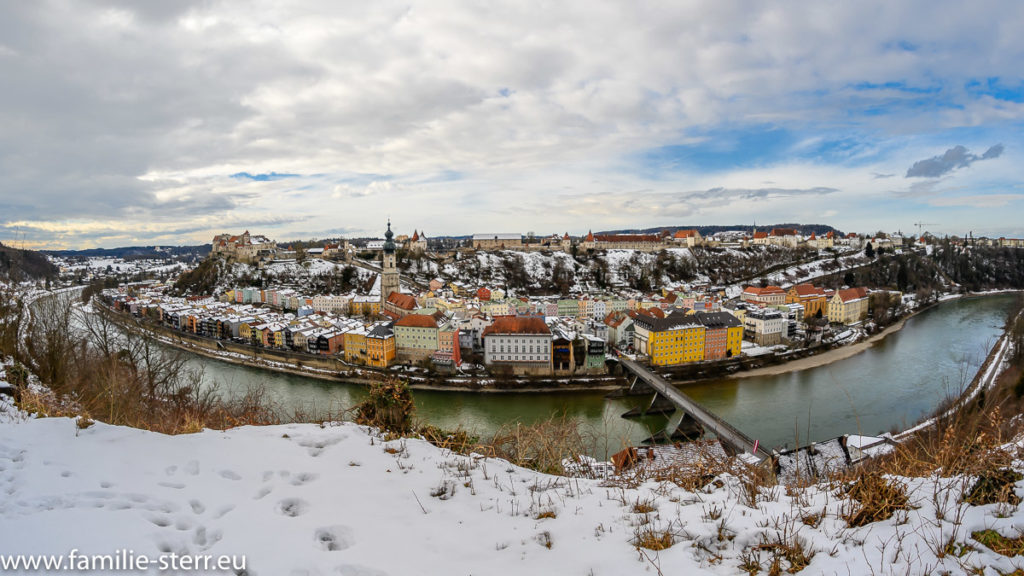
(389, 271)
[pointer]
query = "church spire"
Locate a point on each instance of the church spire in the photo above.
(389, 243)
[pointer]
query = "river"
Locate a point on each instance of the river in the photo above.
(891, 385)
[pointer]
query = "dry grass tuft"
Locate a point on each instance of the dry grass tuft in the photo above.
(546, 514)
(541, 446)
(786, 551)
(458, 440)
(646, 536)
(644, 506)
(877, 499)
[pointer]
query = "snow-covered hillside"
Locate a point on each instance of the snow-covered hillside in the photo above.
(306, 499)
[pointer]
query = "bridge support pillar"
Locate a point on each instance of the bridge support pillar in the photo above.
(658, 404)
(688, 429)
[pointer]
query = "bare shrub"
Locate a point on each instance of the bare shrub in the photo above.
(877, 499)
(388, 407)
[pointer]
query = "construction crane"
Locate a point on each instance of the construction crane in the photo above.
(921, 225)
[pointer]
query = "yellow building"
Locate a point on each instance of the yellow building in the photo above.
(812, 298)
(355, 346)
(848, 306)
(676, 339)
(380, 346)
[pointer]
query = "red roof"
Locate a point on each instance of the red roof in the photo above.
(627, 238)
(415, 236)
(403, 301)
(590, 237)
(517, 325)
(763, 291)
(417, 321)
(758, 235)
(483, 294)
(850, 294)
(783, 232)
(808, 290)
(615, 319)
(685, 233)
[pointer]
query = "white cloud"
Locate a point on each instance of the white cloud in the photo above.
(146, 109)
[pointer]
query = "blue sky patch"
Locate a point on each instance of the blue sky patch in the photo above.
(996, 88)
(267, 177)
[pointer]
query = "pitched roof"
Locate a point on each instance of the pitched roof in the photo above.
(851, 294)
(403, 301)
(685, 234)
(759, 235)
(808, 290)
(417, 321)
(615, 319)
(783, 232)
(673, 321)
(717, 319)
(517, 325)
(763, 291)
(627, 238)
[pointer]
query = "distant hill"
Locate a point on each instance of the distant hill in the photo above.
(19, 265)
(130, 252)
(805, 229)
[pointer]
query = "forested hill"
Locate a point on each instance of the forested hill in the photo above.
(20, 265)
(131, 252)
(805, 229)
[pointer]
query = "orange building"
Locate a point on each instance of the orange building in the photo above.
(811, 297)
(380, 346)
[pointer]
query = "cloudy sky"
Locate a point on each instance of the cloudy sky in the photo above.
(126, 122)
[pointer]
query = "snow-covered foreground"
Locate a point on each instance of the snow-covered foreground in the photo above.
(305, 499)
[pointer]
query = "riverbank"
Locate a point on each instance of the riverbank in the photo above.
(341, 372)
(334, 370)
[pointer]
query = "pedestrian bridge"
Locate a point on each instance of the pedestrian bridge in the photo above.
(695, 419)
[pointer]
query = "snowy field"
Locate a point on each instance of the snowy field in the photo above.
(308, 500)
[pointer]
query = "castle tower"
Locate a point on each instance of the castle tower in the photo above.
(389, 271)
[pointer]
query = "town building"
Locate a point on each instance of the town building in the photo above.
(723, 335)
(521, 344)
(497, 241)
(674, 339)
(848, 306)
(416, 336)
(767, 296)
(688, 238)
(812, 298)
(764, 326)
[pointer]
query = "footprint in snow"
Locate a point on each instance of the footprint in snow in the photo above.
(175, 485)
(292, 507)
(304, 478)
(192, 468)
(161, 521)
(197, 506)
(170, 470)
(334, 538)
(262, 492)
(230, 475)
(223, 511)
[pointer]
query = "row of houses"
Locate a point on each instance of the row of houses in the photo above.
(787, 237)
(517, 344)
